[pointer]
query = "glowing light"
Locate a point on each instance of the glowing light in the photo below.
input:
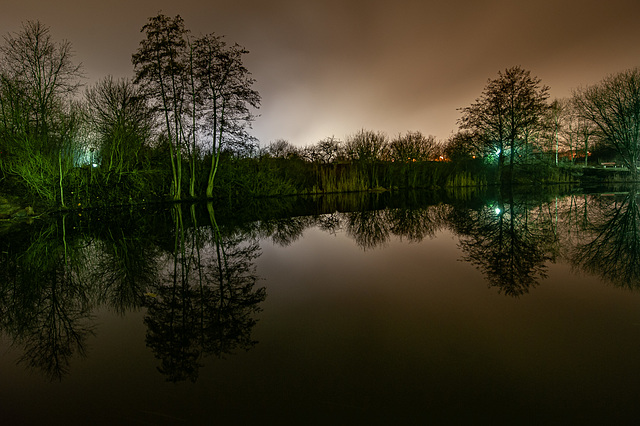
(498, 211)
(94, 165)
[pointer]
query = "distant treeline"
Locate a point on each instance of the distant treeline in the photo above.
(178, 130)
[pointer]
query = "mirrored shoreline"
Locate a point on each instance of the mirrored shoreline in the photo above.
(187, 275)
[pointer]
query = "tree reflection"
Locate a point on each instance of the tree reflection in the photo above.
(506, 245)
(285, 231)
(46, 303)
(369, 228)
(124, 265)
(198, 288)
(206, 302)
(417, 224)
(330, 223)
(197, 280)
(612, 249)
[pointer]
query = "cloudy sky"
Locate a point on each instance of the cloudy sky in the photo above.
(332, 67)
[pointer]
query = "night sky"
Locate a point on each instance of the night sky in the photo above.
(332, 67)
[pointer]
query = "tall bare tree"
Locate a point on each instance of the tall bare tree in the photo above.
(37, 115)
(160, 69)
(227, 96)
(202, 88)
(613, 106)
(507, 111)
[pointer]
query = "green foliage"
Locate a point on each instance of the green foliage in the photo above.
(339, 177)
(38, 120)
(37, 173)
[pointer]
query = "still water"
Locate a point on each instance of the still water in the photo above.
(360, 309)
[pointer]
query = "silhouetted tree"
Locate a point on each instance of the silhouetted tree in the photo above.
(202, 88)
(465, 145)
(412, 147)
(367, 148)
(408, 152)
(328, 150)
(161, 71)
(613, 106)
(281, 148)
(553, 125)
(226, 95)
(509, 108)
(118, 114)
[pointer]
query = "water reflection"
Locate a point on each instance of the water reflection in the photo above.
(197, 284)
(204, 303)
(124, 261)
(510, 241)
(45, 297)
(193, 273)
(610, 246)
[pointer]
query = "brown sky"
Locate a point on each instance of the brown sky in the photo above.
(332, 67)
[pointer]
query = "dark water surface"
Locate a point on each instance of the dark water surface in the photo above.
(362, 309)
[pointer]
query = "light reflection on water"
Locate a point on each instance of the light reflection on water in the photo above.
(446, 312)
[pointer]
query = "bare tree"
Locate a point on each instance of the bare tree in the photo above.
(281, 148)
(367, 148)
(613, 106)
(413, 146)
(553, 124)
(202, 88)
(226, 95)
(508, 110)
(43, 71)
(160, 69)
(37, 115)
(118, 114)
(574, 132)
(464, 145)
(328, 149)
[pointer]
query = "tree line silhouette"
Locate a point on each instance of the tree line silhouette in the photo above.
(178, 129)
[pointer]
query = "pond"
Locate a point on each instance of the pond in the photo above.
(354, 309)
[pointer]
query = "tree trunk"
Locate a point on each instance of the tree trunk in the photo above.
(60, 178)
